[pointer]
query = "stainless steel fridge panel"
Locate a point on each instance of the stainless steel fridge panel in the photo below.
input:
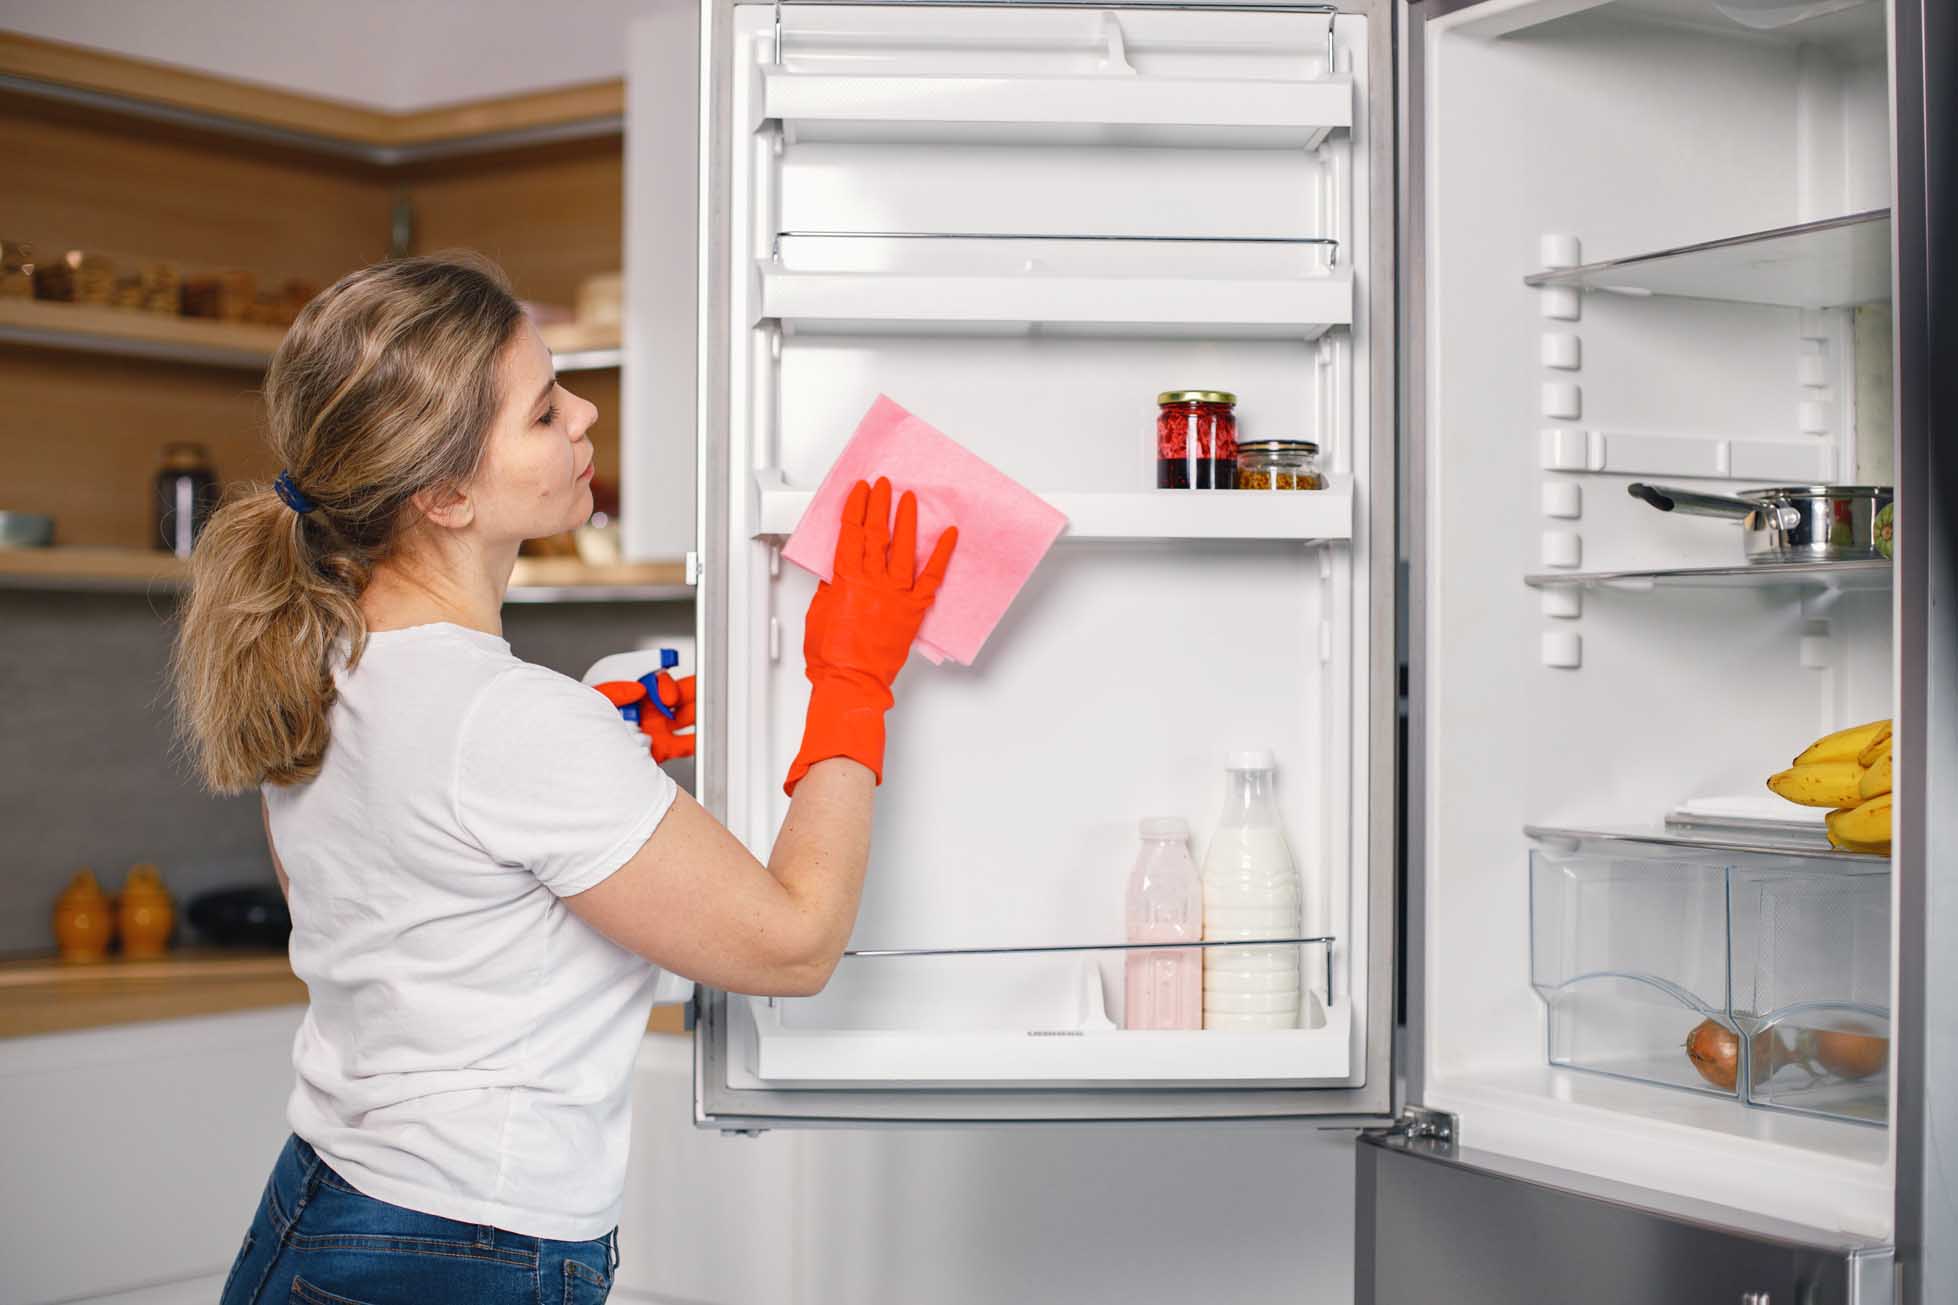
(1924, 53)
(1437, 1223)
(716, 1105)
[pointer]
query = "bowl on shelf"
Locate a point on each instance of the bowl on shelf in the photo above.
(25, 530)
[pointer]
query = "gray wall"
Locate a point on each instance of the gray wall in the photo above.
(88, 775)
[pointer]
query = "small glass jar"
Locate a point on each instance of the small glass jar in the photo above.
(186, 494)
(1279, 464)
(1196, 440)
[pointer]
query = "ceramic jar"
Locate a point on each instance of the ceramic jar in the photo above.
(84, 920)
(144, 913)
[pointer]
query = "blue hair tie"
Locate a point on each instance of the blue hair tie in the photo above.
(290, 495)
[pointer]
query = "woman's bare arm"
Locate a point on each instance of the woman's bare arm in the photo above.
(693, 900)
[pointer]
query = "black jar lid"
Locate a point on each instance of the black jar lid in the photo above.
(1276, 446)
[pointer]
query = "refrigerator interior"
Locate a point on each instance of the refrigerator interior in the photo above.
(1582, 708)
(1120, 203)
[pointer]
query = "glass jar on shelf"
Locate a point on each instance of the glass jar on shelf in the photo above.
(1279, 464)
(1196, 439)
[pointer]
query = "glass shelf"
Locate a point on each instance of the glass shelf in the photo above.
(1322, 941)
(1754, 842)
(1837, 576)
(1834, 263)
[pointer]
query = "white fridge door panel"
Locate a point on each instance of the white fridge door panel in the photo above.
(1027, 283)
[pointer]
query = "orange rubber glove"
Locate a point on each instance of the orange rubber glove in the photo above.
(667, 744)
(661, 736)
(860, 626)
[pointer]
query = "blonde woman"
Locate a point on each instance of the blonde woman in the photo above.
(484, 870)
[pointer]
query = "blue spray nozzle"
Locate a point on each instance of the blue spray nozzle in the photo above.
(668, 659)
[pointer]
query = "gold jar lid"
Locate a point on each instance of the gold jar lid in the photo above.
(183, 455)
(1276, 446)
(1168, 397)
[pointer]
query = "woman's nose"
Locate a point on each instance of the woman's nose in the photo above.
(583, 414)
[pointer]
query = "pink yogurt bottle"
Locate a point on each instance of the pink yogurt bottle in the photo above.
(1165, 904)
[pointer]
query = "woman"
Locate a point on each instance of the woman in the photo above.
(483, 869)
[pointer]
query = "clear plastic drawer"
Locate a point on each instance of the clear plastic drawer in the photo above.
(1629, 954)
(1811, 986)
(1761, 974)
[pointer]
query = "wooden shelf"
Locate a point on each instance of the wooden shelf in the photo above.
(583, 346)
(44, 994)
(133, 333)
(47, 995)
(129, 332)
(383, 138)
(536, 579)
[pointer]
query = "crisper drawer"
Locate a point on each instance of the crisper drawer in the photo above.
(1762, 975)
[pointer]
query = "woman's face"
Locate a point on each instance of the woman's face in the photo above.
(535, 479)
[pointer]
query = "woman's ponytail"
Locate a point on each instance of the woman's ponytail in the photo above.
(252, 668)
(383, 389)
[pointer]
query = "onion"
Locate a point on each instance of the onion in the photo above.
(1849, 1055)
(1714, 1050)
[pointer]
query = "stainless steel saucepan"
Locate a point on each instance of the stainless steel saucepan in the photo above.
(1805, 523)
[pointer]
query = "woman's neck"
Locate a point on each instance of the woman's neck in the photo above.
(464, 586)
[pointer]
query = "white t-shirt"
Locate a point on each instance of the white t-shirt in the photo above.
(469, 1043)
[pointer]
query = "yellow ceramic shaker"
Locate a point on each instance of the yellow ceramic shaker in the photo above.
(84, 921)
(144, 913)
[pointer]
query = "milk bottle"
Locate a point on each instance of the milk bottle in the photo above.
(1250, 890)
(1165, 904)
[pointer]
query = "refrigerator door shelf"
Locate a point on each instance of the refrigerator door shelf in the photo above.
(1304, 515)
(784, 1054)
(851, 302)
(1087, 109)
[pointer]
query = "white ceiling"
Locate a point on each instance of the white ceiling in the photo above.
(384, 54)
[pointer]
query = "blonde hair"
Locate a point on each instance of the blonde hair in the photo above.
(385, 387)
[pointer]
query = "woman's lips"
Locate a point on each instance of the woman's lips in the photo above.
(589, 468)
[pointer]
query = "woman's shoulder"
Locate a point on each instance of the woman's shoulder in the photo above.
(520, 697)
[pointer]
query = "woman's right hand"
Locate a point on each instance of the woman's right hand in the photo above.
(860, 627)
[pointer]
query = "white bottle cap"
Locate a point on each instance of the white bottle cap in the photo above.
(1258, 760)
(1166, 827)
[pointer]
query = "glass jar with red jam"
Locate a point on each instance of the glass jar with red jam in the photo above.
(1196, 440)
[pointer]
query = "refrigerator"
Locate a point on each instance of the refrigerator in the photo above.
(1499, 261)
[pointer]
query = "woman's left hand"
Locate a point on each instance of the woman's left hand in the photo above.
(667, 743)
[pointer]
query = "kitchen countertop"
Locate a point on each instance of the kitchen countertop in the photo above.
(43, 994)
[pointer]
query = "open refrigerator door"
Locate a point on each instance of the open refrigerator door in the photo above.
(1023, 223)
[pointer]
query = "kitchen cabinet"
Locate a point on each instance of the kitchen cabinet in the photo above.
(135, 1155)
(1494, 258)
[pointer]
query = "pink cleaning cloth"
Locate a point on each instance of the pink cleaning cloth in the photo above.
(1004, 527)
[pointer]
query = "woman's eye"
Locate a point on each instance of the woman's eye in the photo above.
(550, 416)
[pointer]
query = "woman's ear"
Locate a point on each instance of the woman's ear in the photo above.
(448, 507)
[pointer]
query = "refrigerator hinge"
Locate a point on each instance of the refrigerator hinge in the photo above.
(1420, 1123)
(693, 568)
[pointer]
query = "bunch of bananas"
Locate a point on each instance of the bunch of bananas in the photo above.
(1849, 771)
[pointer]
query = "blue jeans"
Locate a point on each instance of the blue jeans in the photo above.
(317, 1241)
